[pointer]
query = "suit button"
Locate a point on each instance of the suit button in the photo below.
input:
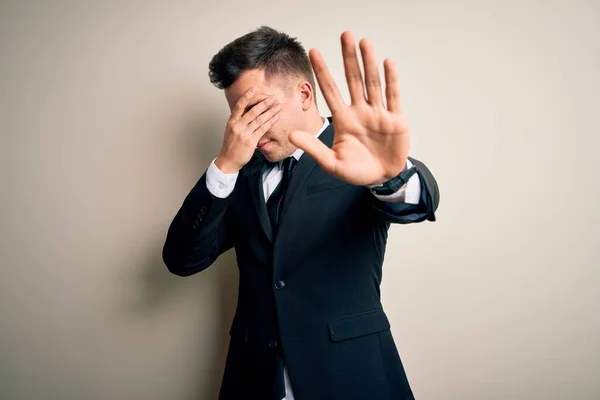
(273, 344)
(196, 224)
(202, 211)
(279, 285)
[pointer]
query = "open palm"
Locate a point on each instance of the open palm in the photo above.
(371, 140)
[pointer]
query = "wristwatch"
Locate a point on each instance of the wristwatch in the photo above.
(393, 185)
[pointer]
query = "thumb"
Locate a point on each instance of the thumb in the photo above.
(315, 148)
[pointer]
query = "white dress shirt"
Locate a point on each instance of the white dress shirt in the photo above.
(221, 185)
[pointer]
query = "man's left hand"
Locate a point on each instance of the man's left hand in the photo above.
(371, 140)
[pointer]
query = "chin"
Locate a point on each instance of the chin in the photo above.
(270, 156)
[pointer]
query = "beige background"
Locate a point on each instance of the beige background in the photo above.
(108, 119)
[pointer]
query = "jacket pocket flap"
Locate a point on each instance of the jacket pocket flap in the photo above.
(324, 186)
(357, 325)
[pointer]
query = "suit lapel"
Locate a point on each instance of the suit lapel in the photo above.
(303, 169)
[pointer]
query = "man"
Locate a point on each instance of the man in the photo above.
(306, 202)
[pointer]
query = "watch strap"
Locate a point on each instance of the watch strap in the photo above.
(393, 185)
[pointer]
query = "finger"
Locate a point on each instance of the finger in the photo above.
(326, 83)
(392, 93)
(257, 110)
(264, 117)
(318, 150)
(264, 128)
(352, 69)
(372, 82)
(242, 103)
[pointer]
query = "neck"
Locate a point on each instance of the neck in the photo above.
(313, 121)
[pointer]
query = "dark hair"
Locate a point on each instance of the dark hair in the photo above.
(276, 52)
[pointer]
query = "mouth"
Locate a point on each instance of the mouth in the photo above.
(263, 144)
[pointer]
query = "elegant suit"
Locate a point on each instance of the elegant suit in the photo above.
(308, 295)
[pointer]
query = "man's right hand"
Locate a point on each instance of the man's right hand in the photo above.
(244, 131)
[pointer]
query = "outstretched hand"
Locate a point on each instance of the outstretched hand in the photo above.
(371, 139)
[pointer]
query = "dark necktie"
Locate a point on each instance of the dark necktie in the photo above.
(276, 199)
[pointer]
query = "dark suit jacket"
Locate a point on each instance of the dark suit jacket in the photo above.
(310, 294)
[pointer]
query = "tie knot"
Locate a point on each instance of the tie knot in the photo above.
(288, 164)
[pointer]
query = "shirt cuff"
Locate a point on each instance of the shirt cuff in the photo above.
(410, 193)
(219, 183)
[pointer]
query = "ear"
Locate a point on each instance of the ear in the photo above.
(307, 95)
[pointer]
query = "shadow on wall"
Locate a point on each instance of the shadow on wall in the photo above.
(198, 143)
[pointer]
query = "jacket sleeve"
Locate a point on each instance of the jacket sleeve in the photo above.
(199, 233)
(405, 213)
